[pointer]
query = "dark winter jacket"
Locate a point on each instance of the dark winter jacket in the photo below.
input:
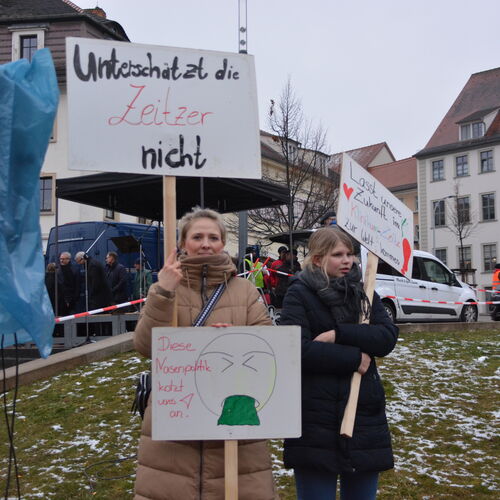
(98, 287)
(68, 281)
(117, 279)
(326, 374)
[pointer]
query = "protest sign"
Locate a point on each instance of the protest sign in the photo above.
(161, 110)
(226, 383)
(372, 215)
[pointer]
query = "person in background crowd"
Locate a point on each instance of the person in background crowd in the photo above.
(97, 288)
(329, 219)
(327, 300)
(68, 285)
(143, 279)
(50, 283)
(192, 470)
(116, 275)
(250, 264)
(277, 264)
(495, 285)
(289, 267)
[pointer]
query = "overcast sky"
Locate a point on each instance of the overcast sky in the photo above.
(368, 71)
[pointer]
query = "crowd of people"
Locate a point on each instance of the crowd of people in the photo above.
(87, 284)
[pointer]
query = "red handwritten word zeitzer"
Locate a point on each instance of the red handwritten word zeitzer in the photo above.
(138, 113)
(166, 345)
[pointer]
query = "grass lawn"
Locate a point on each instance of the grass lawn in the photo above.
(75, 437)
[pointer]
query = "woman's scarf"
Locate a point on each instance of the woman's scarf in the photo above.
(344, 296)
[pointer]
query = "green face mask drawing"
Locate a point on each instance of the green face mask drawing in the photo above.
(241, 379)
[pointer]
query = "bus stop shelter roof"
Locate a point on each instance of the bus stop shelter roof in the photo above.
(141, 195)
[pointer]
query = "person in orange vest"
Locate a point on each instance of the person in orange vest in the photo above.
(495, 285)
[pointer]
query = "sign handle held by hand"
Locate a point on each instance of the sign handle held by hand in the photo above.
(347, 426)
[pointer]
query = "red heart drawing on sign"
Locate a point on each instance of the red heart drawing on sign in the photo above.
(347, 190)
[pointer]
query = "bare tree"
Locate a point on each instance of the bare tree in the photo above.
(302, 147)
(462, 223)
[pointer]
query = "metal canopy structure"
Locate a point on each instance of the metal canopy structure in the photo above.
(141, 195)
(299, 237)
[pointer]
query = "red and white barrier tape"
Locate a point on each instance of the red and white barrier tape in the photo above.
(489, 302)
(61, 319)
(487, 291)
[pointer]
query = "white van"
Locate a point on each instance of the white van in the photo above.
(431, 280)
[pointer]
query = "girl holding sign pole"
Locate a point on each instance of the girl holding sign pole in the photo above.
(195, 469)
(327, 300)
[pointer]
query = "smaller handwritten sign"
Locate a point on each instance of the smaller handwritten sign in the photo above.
(372, 215)
(226, 383)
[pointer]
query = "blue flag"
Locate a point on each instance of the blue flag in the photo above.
(28, 103)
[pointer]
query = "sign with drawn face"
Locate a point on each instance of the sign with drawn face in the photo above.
(226, 383)
(372, 215)
(161, 110)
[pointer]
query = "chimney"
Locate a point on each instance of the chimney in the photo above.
(96, 11)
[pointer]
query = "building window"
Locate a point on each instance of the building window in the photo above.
(465, 257)
(109, 213)
(25, 42)
(471, 131)
(416, 203)
(489, 257)
(29, 45)
(462, 166)
(441, 254)
(46, 191)
(439, 212)
(463, 209)
(416, 236)
(438, 170)
(488, 206)
(486, 161)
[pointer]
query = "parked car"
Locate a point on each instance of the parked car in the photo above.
(431, 280)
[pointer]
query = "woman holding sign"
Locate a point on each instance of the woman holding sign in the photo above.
(195, 469)
(327, 300)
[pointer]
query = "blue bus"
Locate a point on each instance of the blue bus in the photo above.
(99, 238)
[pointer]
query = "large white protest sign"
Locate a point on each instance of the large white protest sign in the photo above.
(370, 213)
(226, 383)
(161, 110)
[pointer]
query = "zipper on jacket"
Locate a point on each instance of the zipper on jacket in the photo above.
(204, 276)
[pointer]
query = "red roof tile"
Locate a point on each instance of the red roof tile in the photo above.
(397, 174)
(364, 156)
(481, 92)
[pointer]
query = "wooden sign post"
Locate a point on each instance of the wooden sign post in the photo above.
(372, 215)
(347, 426)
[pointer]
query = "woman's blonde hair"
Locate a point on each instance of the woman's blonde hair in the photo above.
(322, 242)
(200, 213)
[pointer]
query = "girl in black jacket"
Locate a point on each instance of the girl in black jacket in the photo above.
(327, 300)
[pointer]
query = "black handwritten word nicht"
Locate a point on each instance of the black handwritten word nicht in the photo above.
(174, 158)
(113, 69)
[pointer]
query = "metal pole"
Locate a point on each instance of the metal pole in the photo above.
(58, 265)
(202, 193)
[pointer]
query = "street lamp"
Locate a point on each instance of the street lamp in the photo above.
(434, 220)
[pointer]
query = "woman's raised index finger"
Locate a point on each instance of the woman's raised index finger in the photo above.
(172, 257)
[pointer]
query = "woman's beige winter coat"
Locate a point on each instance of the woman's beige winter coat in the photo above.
(185, 470)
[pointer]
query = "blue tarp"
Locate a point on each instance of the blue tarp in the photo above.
(28, 103)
